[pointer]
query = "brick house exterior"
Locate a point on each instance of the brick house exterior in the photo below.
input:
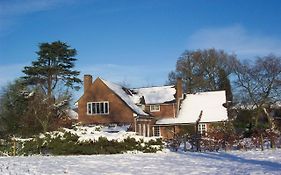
(148, 111)
(135, 111)
(98, 91)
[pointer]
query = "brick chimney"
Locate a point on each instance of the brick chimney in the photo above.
(88, 79)
(179, 93)
(179, 89)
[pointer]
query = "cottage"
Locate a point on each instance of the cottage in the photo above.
(151, 111)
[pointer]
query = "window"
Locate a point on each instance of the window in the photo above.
(156, 131)
(139, 129)
(154, 108)
(148, 130)
(98, 108)
(202, 128)
(144, 130)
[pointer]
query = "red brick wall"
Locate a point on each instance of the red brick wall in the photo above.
(119, 112)
(166, 110)
(167, 132)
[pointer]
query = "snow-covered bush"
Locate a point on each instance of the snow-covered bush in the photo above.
(70, 143)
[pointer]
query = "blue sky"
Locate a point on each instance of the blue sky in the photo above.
(135, 41)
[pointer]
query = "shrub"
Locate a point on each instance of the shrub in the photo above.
(68, 144)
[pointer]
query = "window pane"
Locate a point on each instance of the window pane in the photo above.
(102, 108)
(139, 129)
(106, 107)
(94, 108)
(155, 108)
(98, 108)
(156, 131)
(89, 108)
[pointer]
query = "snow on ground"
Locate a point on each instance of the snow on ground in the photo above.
(118, 133)
(237, 162)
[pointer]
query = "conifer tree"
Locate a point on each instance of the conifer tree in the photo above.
(52, 72)
(54, 65)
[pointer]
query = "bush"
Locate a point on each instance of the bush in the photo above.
(68, 144)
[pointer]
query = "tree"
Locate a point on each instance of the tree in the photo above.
(51, 75)
(258, 84)
(224, 84)
(203, 70)
(41, 116)
(54, 65)
(13, 105)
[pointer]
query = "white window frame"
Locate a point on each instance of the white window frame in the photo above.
(156, 129)
(155, 108)
(98, 110)
(202, 128)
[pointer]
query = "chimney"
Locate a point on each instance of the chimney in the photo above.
(179, 94)
(178, 89)
(88, 79)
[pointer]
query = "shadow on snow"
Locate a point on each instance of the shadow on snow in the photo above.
(273, 166)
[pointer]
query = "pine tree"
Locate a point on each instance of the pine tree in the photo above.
(54, 64)
(53, 70)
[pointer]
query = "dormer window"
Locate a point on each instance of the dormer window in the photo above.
(155, 108)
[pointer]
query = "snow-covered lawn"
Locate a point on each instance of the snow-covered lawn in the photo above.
(237, 162)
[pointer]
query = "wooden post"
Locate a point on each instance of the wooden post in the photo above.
(197, 133)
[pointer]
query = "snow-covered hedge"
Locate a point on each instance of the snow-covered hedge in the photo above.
(89, 140)
(69, 144)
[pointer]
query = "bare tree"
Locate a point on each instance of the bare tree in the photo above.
(259, 81)
(202, 70)
(258, 84)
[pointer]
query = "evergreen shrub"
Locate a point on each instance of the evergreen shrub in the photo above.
(68, 144)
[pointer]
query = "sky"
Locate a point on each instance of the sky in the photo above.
(135, 42)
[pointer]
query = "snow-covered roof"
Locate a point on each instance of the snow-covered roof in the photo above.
(211, 103)
(120, 91)
(154, 95)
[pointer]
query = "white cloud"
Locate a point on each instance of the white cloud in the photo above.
(235, 39)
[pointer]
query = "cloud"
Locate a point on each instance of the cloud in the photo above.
(235, 39)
